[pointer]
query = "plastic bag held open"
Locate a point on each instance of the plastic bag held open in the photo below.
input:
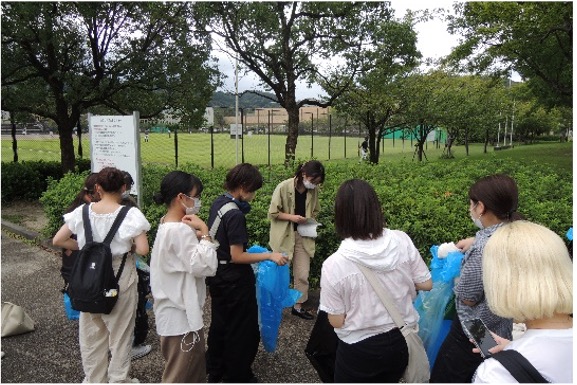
(272, 294)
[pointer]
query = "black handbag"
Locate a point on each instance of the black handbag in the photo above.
(321, 350)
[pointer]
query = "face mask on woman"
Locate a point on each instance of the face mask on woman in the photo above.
(477, 221)
(309, 185)
(195, 209)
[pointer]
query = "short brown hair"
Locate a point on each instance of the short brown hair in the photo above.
(358, 213)
(243, 175)
(499, 194)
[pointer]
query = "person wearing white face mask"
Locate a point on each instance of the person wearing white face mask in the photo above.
(295, 200)
(182, 256)
(493, 201)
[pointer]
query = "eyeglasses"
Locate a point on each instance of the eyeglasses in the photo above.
(189, 197)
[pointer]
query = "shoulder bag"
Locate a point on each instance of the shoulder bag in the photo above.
(15, 320)
(418, 367)
(519, 367)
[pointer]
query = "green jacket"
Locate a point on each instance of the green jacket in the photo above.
(282, 236)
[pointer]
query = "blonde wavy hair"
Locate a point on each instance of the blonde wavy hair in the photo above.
(527, 272)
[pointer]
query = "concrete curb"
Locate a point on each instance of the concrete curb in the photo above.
(28, 234)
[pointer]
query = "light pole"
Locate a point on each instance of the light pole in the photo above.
(312, 131)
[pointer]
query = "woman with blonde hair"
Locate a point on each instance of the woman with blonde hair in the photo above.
(528, 276)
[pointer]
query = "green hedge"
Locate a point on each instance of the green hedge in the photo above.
(428, 201)
(27, 180)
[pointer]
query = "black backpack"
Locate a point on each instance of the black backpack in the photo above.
(93, 288)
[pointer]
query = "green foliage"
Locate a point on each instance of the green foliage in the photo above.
(428, 201)
(27, 180)
(532, 38)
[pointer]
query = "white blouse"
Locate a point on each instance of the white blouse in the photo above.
(178, 267)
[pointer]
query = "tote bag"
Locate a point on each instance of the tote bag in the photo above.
(15, 320)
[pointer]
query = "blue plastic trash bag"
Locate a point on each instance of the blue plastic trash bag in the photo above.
(272, 294)
(71, 313)
(570, 233)
(431, 305)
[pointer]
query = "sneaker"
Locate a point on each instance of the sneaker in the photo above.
(304, 314)
(140, 351)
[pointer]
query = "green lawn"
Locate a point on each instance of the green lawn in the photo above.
(196, 148)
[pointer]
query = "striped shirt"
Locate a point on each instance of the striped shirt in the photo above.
(470, 287)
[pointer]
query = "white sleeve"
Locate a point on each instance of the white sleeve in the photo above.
(133, 225)
(491, 371)
(74, 220)
(196, 258)
(330, 300)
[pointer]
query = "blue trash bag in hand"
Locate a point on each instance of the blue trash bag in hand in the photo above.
(431, 305)
(272, 294)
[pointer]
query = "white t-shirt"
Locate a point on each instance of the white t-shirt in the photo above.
(550, 351)
(178, 267)
(345, 290)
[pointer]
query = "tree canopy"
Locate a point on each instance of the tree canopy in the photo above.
(287, 42)
(61, 59)
(533, 38)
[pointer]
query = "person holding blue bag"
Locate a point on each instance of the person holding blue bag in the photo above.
(493, 202)
(233, 336)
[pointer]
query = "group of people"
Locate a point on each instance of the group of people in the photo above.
(512, 269)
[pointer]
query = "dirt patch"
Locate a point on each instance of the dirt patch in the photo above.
(26, 214)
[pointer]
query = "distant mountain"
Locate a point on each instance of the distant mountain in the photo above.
(247, 100)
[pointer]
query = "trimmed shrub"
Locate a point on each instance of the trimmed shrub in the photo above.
(429, 201)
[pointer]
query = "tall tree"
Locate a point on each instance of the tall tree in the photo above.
(60, 59)
(533, 38)
(373, 97)
(285, 42)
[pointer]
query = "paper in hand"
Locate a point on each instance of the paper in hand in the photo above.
(309, 228)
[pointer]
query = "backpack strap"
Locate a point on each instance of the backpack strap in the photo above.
(115, 225)
(519, 367)
(223, 210)
(86, 223)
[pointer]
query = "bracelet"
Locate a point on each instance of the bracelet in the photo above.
(205, 236)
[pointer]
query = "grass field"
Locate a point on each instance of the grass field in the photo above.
(196, 148)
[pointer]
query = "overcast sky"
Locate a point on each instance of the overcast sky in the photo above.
(433, 41)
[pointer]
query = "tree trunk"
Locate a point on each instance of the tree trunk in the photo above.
(65, 132)
(14, 141)
(293, 133)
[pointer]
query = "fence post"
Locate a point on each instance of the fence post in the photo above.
(269, 113)
(176, 146)
(212, 146)
(79, 134)
(330, 134)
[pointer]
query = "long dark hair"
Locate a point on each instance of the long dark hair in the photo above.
(499, 194)
(174, 183)
(358, 213)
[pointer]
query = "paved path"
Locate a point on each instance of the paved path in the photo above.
(50, 354)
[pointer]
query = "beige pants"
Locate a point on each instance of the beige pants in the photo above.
(301, 264)
(101, 333)
(185, 363)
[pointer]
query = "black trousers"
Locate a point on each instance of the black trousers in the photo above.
(379, 359)
(233, 336)
(455, 362)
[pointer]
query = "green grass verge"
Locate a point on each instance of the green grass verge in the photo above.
(196, 148)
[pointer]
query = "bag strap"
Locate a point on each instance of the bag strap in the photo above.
(86, 222)
(116, 224)
(223, 210)
(389, 304)
(519, 367)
